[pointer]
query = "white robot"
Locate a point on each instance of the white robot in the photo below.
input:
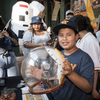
(21, 16)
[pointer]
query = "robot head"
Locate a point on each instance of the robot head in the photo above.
(21, 16)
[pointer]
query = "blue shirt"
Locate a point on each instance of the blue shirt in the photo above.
(84, 67)
(5, 42)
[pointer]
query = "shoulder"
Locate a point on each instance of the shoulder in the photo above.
(28, 33)
(90, 36)
(81, 53)
(90, 39)
(82, 60)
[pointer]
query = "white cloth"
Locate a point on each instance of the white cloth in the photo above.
(36, 7)
(28, 37)
(44, 24)
(90, 45)
(98, 35)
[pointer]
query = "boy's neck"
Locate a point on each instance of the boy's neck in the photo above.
(69, 52)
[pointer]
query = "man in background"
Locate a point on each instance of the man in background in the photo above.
(69, 14)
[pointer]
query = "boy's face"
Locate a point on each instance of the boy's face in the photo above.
(67, 38)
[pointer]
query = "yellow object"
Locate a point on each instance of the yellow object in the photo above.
(59, 53)
(60, 80)
(36, 97)
(90, 14)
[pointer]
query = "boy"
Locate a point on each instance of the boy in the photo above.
(68, 15)
(78, 66)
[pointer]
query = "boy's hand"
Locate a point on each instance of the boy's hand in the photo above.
(35, 72)
(67, 69)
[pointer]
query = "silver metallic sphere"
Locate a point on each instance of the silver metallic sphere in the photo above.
(41, 70)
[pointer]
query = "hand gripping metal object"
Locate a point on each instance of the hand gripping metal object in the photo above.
(41, 70)
(7, 25)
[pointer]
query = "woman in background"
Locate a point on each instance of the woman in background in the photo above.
(35, 36)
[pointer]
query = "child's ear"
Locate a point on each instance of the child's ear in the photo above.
(77, 37)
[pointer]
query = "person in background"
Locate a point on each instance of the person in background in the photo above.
(35, 36)
(69, 14)
(8, 62)
(39, 10)
(78, 66)
(88, 43)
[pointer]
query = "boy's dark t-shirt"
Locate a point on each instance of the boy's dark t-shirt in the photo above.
(84, 67)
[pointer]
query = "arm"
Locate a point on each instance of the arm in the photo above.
(27, 41)
(33, 45)
(95, 93)
(95, 78)
(14, 40)
(79, 81)
(93, 50)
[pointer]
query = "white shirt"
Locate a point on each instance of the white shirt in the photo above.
(90, 45)
(28, 37)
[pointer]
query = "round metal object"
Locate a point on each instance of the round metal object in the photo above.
(41, 70)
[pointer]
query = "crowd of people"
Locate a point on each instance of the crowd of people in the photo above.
(77, 42)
